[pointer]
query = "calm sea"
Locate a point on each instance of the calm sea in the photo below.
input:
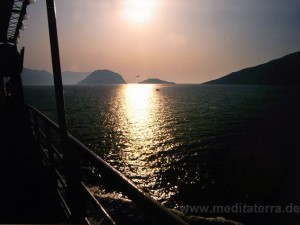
(188, 144)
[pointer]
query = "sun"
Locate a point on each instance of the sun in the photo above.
(139, 11)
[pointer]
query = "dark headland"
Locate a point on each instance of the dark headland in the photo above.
(155, 81)
(282, 71)
(103, 77)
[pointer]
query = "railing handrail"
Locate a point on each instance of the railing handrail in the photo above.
(46, 118)
(143, 200)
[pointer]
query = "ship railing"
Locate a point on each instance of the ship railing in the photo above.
(83, 165)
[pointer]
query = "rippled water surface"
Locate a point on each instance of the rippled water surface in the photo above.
(186, 143)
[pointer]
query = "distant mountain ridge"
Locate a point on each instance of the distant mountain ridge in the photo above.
(282, 71)
(42, 77)
(70, 77)
(36, 77)
(103, 77)
(155, 81)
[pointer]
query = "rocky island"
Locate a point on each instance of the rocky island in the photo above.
(155, 81)
(103, 77)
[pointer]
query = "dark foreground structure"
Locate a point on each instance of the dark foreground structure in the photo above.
(42, 165)
(27, 186)
(46, 173)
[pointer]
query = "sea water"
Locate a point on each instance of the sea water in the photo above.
(187, 144)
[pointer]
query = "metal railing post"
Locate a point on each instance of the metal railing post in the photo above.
(36, 128)
(18, 78)
(71, 159)
(48, 143)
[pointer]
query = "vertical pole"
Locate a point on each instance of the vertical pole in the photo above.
(59, 94)
(19, 84)
(71, 159)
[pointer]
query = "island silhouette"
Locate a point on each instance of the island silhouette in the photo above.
(103, 77)
(155, 81)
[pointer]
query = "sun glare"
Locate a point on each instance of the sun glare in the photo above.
(139, 11)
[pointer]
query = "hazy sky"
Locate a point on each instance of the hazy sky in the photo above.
(185, 41)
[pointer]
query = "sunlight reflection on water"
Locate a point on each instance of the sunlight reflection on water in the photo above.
(140, 115)
(139, 108)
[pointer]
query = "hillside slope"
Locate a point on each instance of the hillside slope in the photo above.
(282, 71)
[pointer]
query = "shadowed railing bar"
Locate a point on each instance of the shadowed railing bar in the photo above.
(98, 205)
(64, 205)
(48, 143)
(36, 127)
